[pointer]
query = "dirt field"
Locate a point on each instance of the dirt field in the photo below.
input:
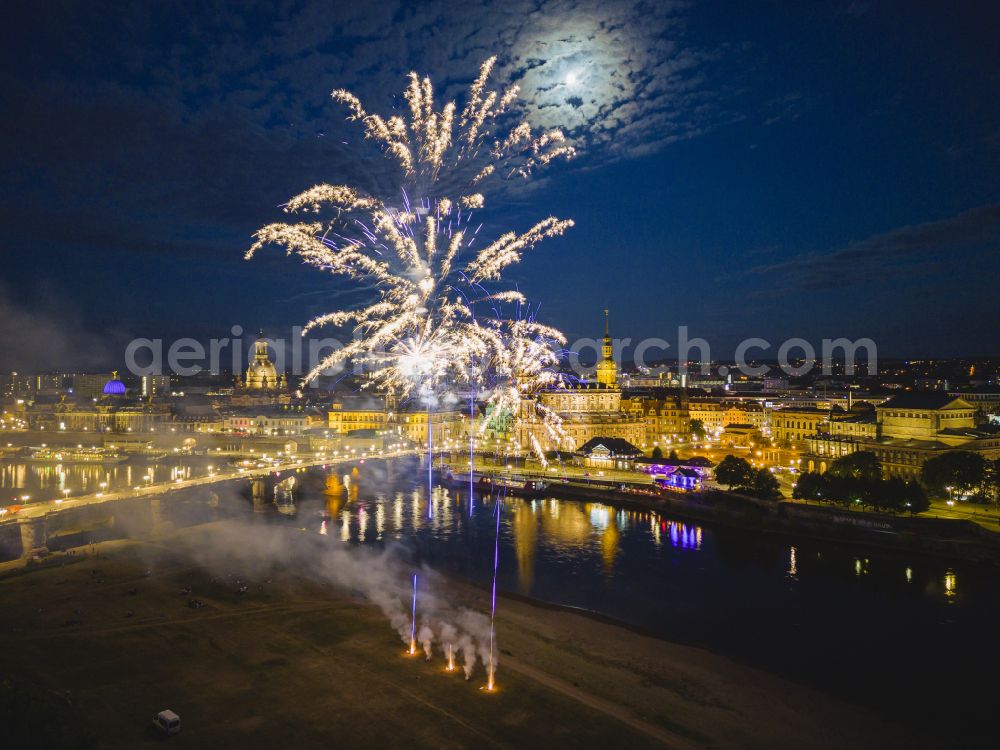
(91, 646)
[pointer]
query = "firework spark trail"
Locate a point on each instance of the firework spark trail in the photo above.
(526, 357)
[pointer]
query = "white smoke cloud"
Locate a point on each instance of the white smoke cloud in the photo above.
(383, 577)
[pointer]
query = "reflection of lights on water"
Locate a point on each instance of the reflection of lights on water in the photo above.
(345, 526)
(793, 565)
(909, 575)
(599, 516)
(949, 582)
(322, 528)
(860, 566)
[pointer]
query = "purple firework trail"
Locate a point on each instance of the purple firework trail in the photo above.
(430, 465)
(413, 619)
(493, 612)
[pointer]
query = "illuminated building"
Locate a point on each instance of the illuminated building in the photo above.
(665, 417)
(446, 425)
(926, 416)
(348, 415)
(89, 385)
(791, 426)
(608, 453)
(587, 410)
(909, 429)
(985, 399)
(261, 374)
(268, 422)
(154, 385)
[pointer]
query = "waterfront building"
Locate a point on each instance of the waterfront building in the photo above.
(110, 414)
(608, 453)
(909, 428)
(361, 413)
(447, 426)
(268, 422)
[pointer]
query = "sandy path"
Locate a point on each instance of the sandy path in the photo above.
(615, 711)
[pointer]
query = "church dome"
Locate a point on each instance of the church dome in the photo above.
(261, 373)
(114, 387)
(263, 370)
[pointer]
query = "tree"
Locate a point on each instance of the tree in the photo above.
(916, 499)
(858, 465)
(993, 479)
(657, 452)
(697, 429)
(734, 472)
(891, 495)
(962, 471)
(764, 485)
(673, 456)
(810, 486)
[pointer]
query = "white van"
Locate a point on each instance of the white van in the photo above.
(167, 722)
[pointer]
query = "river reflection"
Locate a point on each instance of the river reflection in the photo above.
(556, 529)
(46, 481)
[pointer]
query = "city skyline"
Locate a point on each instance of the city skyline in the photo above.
(515, 373)
(744, 173)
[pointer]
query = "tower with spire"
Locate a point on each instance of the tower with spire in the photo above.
(607, 370)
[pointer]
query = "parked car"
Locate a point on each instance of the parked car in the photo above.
(167, 722)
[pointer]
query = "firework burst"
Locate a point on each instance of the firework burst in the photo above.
(418, 256)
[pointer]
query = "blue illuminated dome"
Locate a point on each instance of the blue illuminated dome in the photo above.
(114, 387)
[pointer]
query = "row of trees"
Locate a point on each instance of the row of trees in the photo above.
(893, 495)
(962, 473)
(857, 479)
(737, 473)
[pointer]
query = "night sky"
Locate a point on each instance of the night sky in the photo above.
(747, 169)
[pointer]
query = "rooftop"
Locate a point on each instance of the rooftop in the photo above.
(616, 446)
(919, 400)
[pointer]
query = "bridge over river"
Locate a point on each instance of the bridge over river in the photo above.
(33, 519)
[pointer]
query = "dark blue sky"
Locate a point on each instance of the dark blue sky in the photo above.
(748, 169)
